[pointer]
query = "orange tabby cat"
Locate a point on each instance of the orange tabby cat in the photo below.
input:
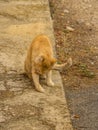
(40, 61)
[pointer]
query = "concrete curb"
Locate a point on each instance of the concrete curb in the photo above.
(69, 126)
(21, 107)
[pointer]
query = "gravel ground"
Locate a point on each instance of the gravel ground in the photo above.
(76, 33)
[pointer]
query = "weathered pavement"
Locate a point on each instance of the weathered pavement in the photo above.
(21, 107)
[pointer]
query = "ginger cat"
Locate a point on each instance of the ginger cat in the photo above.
(40, 61)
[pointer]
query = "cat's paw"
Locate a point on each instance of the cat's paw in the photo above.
(40, 89)
(50, 83)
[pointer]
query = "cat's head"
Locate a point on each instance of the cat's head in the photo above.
(44, 63)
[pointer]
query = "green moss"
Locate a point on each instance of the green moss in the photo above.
(85, 72)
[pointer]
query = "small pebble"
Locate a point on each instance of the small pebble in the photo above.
(69, 28)
(66, 11)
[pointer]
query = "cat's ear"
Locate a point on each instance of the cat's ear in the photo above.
(39, 59)
(53, 61)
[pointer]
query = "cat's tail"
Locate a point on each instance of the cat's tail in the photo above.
(60, 66)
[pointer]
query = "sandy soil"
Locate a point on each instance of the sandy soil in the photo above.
(76, 32)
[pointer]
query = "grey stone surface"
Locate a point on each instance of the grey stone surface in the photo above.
(21, 107)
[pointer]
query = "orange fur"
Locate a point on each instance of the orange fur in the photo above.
(40, 60)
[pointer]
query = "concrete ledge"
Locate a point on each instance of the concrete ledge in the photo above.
(22, 108)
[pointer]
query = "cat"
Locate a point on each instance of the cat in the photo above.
(41, 61)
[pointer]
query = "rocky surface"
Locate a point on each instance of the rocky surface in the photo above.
(21, 107)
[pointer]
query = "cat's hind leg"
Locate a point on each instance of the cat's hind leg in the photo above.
(49, 78)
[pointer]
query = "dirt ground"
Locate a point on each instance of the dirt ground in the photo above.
(76, 32)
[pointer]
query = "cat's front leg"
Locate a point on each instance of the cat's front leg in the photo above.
(49, 78)
(36, 82)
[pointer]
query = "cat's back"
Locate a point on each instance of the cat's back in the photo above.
(41, 38)
(41, 41)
